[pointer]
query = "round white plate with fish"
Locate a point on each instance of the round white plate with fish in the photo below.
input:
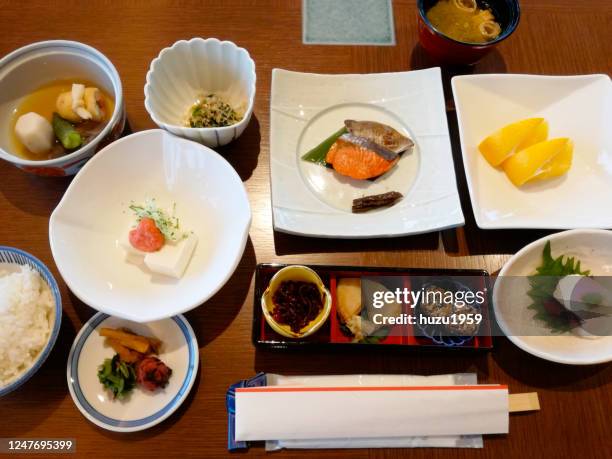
(140, 409)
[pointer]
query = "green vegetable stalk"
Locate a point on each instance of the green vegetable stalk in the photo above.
(317, 154)
(66, 133)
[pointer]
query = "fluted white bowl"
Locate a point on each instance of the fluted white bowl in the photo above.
(189, 68)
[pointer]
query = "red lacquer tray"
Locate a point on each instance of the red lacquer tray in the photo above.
(332, 335)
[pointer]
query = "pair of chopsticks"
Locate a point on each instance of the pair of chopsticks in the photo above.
(518, 403)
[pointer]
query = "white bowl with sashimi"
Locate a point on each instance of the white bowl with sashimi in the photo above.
(152, 226)
(553, 298)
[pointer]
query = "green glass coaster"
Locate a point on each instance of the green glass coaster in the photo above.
(348, 22)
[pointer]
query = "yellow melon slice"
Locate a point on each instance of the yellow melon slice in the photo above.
(526, 164)
(559, 165)
(502, 144)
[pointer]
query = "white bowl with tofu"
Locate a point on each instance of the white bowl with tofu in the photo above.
(31, 69)
(151, 227)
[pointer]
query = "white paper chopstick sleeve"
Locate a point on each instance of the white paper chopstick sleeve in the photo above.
(284, 413)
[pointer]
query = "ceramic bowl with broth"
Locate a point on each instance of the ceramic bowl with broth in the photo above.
(46, 68)
(463, 49)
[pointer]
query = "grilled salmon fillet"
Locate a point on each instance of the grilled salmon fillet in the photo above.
(356, 160)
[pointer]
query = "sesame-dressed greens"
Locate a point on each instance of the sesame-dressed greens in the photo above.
(167, 224)
(211, 111)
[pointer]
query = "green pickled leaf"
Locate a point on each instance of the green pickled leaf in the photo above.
(117, 376)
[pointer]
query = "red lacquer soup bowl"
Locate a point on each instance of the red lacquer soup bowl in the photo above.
(445, 50)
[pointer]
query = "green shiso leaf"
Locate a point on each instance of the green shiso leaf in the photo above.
(543, 284)
(318, 153)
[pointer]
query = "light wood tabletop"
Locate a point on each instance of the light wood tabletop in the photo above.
(555, 37)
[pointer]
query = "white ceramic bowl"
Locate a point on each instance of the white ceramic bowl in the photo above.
(189, 68)
(594, 249)
(28, 68)
(85, 227)
(9, 259)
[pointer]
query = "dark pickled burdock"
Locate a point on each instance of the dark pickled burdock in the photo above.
(296, 303)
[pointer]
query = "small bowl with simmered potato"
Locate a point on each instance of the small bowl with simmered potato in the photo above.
(61, 102)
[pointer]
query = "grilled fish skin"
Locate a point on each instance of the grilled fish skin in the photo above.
(381, 134)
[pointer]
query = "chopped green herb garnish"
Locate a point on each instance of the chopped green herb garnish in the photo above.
(167, 224)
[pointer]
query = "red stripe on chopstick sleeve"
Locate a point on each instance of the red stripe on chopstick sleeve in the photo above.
(369, 388)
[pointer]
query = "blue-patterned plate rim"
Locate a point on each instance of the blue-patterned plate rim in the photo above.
(21, 257)
(119, 425)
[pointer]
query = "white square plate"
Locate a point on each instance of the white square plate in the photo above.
(578, 107)
(311, 200)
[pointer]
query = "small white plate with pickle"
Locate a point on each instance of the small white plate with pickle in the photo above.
(119, 388)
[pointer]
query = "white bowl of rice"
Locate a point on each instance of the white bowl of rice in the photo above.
(30, 316)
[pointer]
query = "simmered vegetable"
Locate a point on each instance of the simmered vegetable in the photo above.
(66, 133)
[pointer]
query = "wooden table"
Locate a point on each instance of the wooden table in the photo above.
(554, 37)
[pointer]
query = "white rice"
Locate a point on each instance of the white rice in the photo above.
(26, 318)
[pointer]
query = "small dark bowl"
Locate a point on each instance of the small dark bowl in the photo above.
(445, 50)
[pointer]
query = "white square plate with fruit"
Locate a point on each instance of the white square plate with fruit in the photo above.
(575, 107)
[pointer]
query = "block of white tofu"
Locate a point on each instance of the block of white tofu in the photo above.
(35, 132)
(173, 257)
